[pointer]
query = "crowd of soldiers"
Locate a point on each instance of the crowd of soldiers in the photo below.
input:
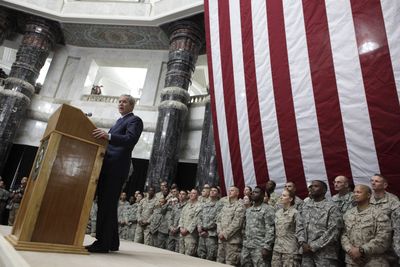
(359, 227)
(10, 201)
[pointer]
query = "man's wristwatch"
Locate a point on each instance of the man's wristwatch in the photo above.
(362, 251)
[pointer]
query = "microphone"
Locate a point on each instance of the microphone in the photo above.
(89, 114)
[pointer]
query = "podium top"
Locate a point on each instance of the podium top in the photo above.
(73, 122)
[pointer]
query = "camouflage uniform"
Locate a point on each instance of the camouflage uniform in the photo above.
(173, 224)
(122, 221)
(188, 220)
(273, 199)
(369, 229)
(131, 216)
(320, 227)
(159, 226)
(387, 204)
(145, 210)
(93, 219)
(229, 223)
(259, 234)
(208, 245)
(396, 231)
(345, 202)
(286, 248)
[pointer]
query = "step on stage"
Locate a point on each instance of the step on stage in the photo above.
(130, 254)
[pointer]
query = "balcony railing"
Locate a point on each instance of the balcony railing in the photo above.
(114, 99)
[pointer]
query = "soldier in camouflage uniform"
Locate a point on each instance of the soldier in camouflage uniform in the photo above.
(176, 210)
(164, 191)
(229, 229)
(145, 210)
(188, 225)
(396, 231)
(298, 202)
(159, 225)
(344, 198)
(367, 232)
(207, 227)
(380, 198)
(319, 228)
(259, 232)
(286, 248)
(131, 217)
(123, 221)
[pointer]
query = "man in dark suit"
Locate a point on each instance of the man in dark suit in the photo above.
(122, 137)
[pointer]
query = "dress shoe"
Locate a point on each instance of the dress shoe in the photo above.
(97, 249)
(114, 249)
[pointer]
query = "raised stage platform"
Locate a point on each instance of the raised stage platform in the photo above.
(130, 254)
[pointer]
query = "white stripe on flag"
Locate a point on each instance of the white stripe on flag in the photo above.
(240, 94)
(391, 15)
(353, 102)
(219, 97)
(266, 97)
(303, 95)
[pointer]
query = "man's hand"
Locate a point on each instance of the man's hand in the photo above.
(354, 253)
(306, 248)
(99, 133)
(265, 253)
(221, 237)
(184, 231)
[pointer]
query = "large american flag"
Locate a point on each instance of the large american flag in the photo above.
(305, 90)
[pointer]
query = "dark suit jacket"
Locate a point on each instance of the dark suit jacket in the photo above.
(124, 136)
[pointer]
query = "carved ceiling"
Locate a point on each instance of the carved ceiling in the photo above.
(114, 36)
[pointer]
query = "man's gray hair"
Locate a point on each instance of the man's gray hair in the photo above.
(131, 100)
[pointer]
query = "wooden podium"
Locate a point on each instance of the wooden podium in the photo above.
(55, 207)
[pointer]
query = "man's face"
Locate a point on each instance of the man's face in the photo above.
(378, 183)
(233, 192)
(174, 192)
(256, 195)
(124, 107)
(361, 194)
(151, 192)
(193, 195)
(269, 185)
(182, 196)
(123, 196)
(164, 187)
(289, 187)
(316, 189)
(340, 183)
(214, 192)
(137, 193)
(2, 184)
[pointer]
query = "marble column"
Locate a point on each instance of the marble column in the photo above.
(207, 166)
(185, 42)
(39, 38)
(7, 23)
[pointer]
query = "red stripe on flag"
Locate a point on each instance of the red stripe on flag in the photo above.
(212, 100)
(283, 97)
(379, 83)
(323, 78)
(229, 92)
(256, 134)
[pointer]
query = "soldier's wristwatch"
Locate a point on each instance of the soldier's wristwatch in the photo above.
(362, 251)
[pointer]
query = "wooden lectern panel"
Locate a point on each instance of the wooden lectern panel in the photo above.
(65, 193)
(56, 204)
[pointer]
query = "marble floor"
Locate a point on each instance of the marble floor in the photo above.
(130, 254)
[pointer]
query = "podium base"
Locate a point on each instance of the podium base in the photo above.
(44, 247)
